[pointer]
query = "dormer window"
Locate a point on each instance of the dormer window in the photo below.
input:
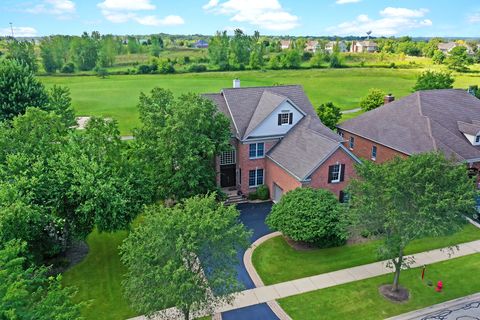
(285, 118)
(477, 139)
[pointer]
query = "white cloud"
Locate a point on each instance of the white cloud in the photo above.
(346, 1)
(266, 14)
(474, 17)
(126, 5)
(154, 21)
(19, 32)
(56, 7)
(121, 11)
(392, 21)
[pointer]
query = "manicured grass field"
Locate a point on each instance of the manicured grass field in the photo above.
(98, 278)
(361, 300)
(276, 261)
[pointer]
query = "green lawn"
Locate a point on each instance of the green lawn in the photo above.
(276, 261)
(98, 278)
(117, 96)
(361, 300)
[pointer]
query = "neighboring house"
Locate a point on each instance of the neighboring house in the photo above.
(341, 45)
(368, 46)
(312, 46)
(446, 121)
(201, 44)
(446, 47)
(285, 44)
(278, 141)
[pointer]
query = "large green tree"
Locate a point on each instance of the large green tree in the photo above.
(430, 80)
(85, 51)
(27, 293)
(218, 49)
(24, 52)
(178, 141)
(240, 48)
(184, 256)
(425, 195)
(457, 59)
(19, 89)
(373, 100)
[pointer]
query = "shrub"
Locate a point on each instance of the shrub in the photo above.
(373, 100)
(68, 68)
(144, 69)
(252, 196)
(310, 215)
(165, 67)
(197, 68)
(430, 80)
(263, 193)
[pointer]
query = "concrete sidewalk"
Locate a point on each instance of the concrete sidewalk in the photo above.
(290, 288)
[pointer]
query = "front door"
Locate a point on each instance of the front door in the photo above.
(228, 176)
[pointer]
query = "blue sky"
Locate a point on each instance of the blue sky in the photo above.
(275, 17)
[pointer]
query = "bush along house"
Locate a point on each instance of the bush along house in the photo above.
(278, 141)
(446, 121)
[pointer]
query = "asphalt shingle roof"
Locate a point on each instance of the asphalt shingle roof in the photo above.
(424, 121)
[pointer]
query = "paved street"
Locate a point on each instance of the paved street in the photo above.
(467, 308)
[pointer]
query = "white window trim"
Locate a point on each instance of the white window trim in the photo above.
(256, 178)
(233, 158)
(282, 114)
(256, 151)
(339, 173)
(477, 139)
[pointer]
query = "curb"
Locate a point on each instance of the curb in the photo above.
(257, 281)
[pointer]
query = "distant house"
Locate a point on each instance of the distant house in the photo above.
(144, 42)
(446, 47)
(285, 44)
(364, 46)
(201, 44)
(330, 46)
(312, 46)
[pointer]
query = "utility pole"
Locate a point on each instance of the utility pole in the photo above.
(11, 28)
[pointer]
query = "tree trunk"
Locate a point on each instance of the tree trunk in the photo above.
(398, 268)
(186, 313)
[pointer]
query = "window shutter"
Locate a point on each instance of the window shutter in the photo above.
(290, 118)
(342, 196)
(330, 174)
(342, 172)
(279, 119)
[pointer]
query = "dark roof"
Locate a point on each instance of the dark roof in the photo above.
(242, 104)
(469, 128)
(218, 99)
(304, 148)
(424, 121)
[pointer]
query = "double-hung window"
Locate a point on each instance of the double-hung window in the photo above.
(285, 118)
(336, 173)
(257, 150)
(374, 152)
(255, 177)
(352, 142)
(477, 139)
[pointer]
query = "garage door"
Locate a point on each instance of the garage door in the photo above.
(277, 193)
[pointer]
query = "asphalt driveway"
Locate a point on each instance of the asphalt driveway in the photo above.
(253, 217)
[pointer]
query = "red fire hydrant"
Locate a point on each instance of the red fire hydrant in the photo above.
(439, 286)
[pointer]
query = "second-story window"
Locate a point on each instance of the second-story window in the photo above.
(285, 118)
(374, 152)
(352, 142)
(257, 150)
(477, 139)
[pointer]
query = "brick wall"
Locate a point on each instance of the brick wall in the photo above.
(277, 175)
(245, 164)
(320, 176)
(363, 149)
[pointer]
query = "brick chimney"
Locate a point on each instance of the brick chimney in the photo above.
(236, 83)
(388, 98)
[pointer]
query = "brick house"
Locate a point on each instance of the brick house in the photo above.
(446, 121)
(278, 141)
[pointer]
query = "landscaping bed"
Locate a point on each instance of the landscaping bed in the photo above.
(276, 261)
(361, 299)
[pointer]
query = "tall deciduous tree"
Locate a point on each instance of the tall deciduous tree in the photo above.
(184, 256)
(373, 100)
(424, 195)
(24, 52)
(178, 141)
(329, 113)
(458, 59)
(218, 49)
(19, 89)
(429, 80)
(28, 293)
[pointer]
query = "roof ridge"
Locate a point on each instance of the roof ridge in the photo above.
(263, 87)
(429, 124)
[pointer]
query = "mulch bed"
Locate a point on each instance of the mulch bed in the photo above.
(300, 245)
(73, 256)
(399, 296)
